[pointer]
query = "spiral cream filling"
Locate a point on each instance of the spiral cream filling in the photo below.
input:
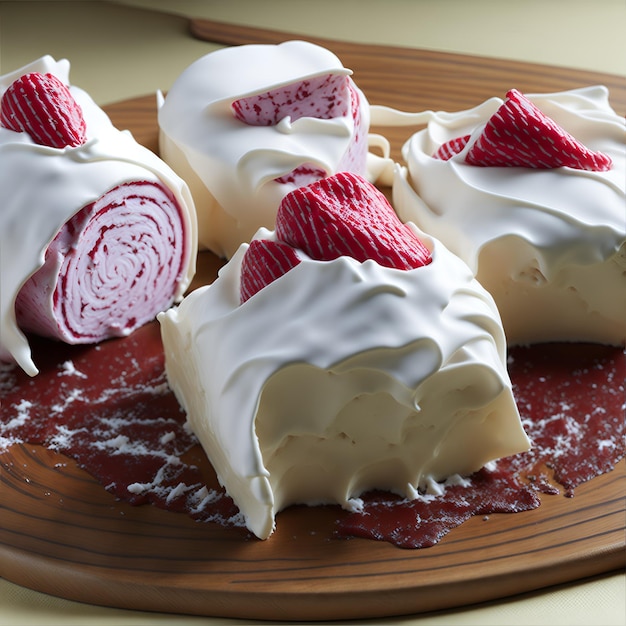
(112, 267)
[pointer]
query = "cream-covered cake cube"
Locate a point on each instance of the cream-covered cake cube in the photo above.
(530, 192)
(314, 369)
(245, 125)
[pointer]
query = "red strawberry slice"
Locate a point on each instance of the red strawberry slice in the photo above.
(450, 148)
(346, 215)
(42, 106)
(323, 97)
(519, 134)
(264, 262)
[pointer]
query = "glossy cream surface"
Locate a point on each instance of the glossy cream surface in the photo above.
(42, 187)
(232, 167)
(341, 377)
(549, 244)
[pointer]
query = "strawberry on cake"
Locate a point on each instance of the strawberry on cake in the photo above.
(341, 352)
(98, 234)
(530, 192)
(246, 125)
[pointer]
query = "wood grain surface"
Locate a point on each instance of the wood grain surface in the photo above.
(63, 534)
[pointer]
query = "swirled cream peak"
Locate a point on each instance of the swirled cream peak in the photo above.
(42, 187)
(342, 376)
(549, 244)
(245, 125)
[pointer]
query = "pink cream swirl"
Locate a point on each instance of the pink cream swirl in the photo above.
(111, 268)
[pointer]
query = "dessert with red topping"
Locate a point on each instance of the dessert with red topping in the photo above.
(98, 233)
(370, 358)
(530, 192)
(246, 125)
(344, 350)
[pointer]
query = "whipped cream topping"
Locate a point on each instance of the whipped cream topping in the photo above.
(41, 188)
(549, 244)
(232, 167)
(340, 377)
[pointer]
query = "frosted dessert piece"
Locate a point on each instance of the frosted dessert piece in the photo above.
(342, 352)
(97, 234)
(245, 125)
(530, 193)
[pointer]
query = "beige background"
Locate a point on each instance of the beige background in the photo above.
(120, 50)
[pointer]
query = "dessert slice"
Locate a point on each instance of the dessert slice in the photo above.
(246, 125)
(98, 234)
(342, 352)
(530, 192)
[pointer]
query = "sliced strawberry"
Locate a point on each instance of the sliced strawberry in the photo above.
(42, 106)
(323, 97)
(450, 148)
(346, 215)
(264, 262)
(519, 134)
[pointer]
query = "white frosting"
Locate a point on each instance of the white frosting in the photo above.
(341, 377)
(42, 187)
(548, 244)
(230, 166)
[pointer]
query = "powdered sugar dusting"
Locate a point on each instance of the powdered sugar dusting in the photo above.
(68, 369)
(110, 409)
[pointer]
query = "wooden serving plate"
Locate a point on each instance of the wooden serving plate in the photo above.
(61, 533)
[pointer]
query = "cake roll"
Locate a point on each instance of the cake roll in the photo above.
(98, 234)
